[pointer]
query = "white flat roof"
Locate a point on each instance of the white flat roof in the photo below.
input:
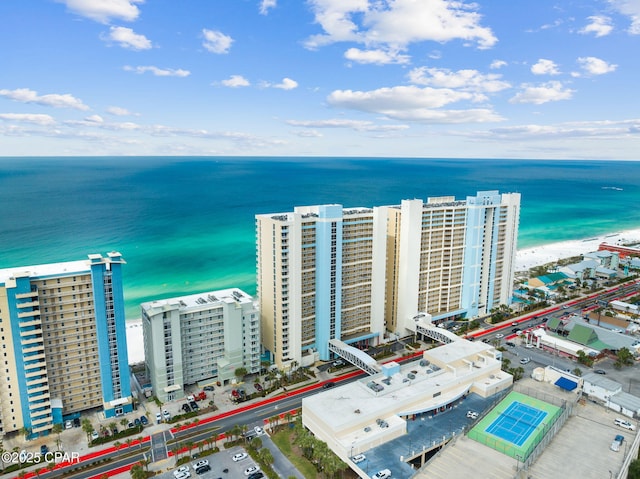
(45, 270)
(197, 300)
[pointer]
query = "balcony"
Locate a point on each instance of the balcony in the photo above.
(30, 294)
(29, 314)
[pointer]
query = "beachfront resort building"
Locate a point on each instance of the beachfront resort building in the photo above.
(64, 347)
(361, 275)
(198, 338)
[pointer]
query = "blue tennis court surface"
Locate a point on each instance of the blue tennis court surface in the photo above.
(516, 423)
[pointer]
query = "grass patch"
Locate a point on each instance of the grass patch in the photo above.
(283, 439)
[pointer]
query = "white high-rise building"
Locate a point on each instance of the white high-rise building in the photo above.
(199, 337)
(357, 274)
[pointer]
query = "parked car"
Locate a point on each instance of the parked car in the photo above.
(201, 396)
(358, 458)
(143, 420)
(617, 442)
(201, 463)
(182, 472)
(328, 385)
(68, 424)
(258, 430)
(194, 405)
(43, 449)
(258, 387)
(76, 422)
(137, 422)
(384, 474)
(510, 344)
(186, 408)
(599, 371)
(472, 415)
(208, 388)
(158, 417)
(239, 456)
(251, 469)
(165, 415)
(624, 423)
(256, 475)
(94, 435)
(525, 360)
(203, 469)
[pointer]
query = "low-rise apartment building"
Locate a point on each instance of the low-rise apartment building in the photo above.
(199, 337)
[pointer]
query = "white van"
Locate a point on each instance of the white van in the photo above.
(625, 424)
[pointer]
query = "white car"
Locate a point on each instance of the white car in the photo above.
(525, 361)
(166, 415)
(472, 415)
(499, 336)
(239, 457)
(358, 458)
(94, 435)
(529, 346)
(384, 474)
(625, 424)
(158, 417)
(250, 470)
(181, 472)
(198, 464)
(258, 430)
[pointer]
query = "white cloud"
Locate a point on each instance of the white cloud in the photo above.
(545, 67)
(216, 42)
(265, 5)
(496, 64)
(38, 119)
(468, 80)
(413, 103)
(398, 23)
(378, 57)
(596, 66)
(286, 84)
(599, 25)
(118, 111)
(606, 129)
(236, 81)
(24, 95)
(159, 72)
(104, 10)
(630, 8)
(127, 38)
(357, 125)
(546, 92)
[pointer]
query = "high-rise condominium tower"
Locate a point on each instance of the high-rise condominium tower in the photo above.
(358, 274)
(64, 346)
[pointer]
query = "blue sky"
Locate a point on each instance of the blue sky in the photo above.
(398, 78)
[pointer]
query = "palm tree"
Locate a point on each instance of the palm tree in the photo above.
(87, 427)
(124, 422)
(266, 456)
(189, 445)
(57, 429)
(117, 445)
(137, 472)
(273, 422)
(256, 443)
(139, 439)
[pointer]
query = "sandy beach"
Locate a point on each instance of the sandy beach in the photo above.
(525, 259)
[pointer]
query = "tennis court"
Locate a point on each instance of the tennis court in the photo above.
(516, 425)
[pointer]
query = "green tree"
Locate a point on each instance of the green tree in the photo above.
(137, 472)
(634, 469)
(266, 456)
(240, 372)
(87, 427)
(57, 430)
(256, 443)
(623, 358)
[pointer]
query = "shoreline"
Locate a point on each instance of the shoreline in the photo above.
(540, 255)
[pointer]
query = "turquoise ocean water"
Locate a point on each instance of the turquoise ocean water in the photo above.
(186, 225)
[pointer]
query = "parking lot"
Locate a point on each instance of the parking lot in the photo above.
(222, 465)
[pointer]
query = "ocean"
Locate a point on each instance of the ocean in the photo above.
(186, 225)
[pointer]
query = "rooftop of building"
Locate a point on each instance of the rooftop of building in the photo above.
(43, 271)
(197, 300)
(442, 374)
